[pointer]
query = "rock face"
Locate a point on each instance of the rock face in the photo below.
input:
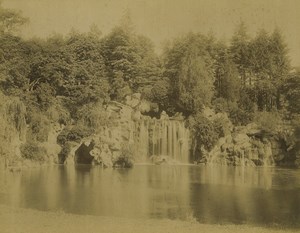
(113, 142)
(51, 146)
(131, 137)
(247, 146)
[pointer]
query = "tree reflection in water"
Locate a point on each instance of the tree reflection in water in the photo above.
(209, 194)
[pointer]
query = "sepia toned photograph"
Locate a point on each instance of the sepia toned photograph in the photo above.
(149, 116)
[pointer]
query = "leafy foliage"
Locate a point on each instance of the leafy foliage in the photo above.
(10, 20)
(70, 80)
(228, 84)
(269, 122)
(39, 126)
(74, 133)
(189, 67)
(126, 159)
(292, 90)
(204, 131)
(33, 151)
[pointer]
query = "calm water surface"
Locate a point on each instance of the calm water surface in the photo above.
(258, 196)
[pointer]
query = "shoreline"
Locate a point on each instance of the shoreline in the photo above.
(33, 165)
(20, 220)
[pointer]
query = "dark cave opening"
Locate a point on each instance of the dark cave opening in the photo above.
(82, 154)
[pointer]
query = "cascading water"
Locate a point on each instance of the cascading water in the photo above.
(164, 137)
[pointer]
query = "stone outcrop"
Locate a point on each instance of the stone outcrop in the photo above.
(248, 146)
(113, 141)
(132, 137)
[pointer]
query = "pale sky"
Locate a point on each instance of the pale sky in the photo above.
(164, 19)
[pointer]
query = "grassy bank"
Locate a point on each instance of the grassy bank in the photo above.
(16, 220)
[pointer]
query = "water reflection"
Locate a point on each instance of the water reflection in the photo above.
(238, 176)
(263, 196)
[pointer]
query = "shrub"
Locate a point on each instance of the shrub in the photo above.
(13, 111)
(58, 113)
(63, 154)
(32, 151)
(239, 116)
(74, 133)
(125, 160)
(269, 122)
(239, 113)
(39, 126)
(204, 131)
(92, 115)
(221, 105)
(222, 124)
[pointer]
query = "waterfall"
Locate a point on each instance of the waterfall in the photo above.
(161, 137)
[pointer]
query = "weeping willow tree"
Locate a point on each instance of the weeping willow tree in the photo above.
(12, 126)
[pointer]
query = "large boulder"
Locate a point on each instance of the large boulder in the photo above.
(102, 155)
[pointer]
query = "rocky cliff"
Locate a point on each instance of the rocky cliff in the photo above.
(131, 137)
(114, 142)
(250, 146)
(128, 136)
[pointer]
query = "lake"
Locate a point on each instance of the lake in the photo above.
(264, 196)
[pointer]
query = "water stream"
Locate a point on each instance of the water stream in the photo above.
(162, 138)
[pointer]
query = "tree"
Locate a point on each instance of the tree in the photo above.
(281, 63)
(227, 78)
(10, 20)
(121, 55)
(270, 66)
(129, 57)
(88, 80)
(73, 67)
(280, 60)
(292, 92)
(240, 51)
(15, 57)
(190, 70)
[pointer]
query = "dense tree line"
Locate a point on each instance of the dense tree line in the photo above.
(62, 75)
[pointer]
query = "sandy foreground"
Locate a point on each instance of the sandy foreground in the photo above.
(17, 220)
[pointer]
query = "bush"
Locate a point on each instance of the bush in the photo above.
(32, 151)
(204, 131)
(239, 116)
(125, 160)
(238, 113)
(58, 113)
(221, 105)
(39, 126)
(74, 133)
(269, 122)
(13, 111)
(63, 154)
(222, 125)
(92, 115)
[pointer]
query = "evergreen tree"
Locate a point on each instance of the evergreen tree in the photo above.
(240, 51)
(190, 69)
(227, 78)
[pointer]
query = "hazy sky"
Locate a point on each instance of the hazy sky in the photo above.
(164, 19)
